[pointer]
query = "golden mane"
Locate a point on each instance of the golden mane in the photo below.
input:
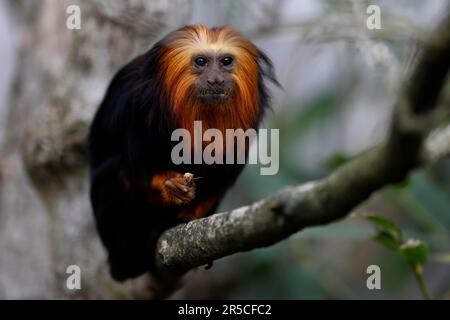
(241, 110)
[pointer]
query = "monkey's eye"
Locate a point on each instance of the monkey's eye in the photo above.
(200, 61)
(226, 61)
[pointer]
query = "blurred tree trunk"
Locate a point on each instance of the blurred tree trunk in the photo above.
(45, 216)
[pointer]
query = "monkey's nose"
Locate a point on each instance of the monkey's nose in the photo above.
(216, 82)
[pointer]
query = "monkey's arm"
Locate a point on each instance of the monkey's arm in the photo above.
(167, 189)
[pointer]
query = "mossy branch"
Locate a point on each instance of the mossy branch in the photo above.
(275, 218)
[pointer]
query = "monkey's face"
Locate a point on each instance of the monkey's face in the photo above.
(203, 66)
(213, 72)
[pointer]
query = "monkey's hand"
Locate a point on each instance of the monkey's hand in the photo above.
(180, 189)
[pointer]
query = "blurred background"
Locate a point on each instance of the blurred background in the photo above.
(339, 80)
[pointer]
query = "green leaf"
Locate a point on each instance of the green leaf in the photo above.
(387, 240)
(386, 227)
(415, 252)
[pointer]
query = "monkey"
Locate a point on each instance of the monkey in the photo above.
(195, 73)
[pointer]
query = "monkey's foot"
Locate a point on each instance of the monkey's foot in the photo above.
(179, 190)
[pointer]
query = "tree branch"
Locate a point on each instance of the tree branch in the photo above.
(437, 145)
(275, 218)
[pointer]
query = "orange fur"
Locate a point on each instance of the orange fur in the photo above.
(197, 209)
(154, 190)
(241, 110)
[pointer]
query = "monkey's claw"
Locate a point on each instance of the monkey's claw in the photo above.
(180, 189)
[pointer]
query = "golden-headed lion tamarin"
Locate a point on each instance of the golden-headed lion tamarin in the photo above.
(196, 73)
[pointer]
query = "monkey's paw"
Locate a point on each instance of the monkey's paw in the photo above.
(179, 190)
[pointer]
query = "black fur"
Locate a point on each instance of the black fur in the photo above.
(130, 135)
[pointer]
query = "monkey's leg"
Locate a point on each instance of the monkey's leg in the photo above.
(127, 224)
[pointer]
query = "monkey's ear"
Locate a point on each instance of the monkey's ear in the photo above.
(267, 69)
